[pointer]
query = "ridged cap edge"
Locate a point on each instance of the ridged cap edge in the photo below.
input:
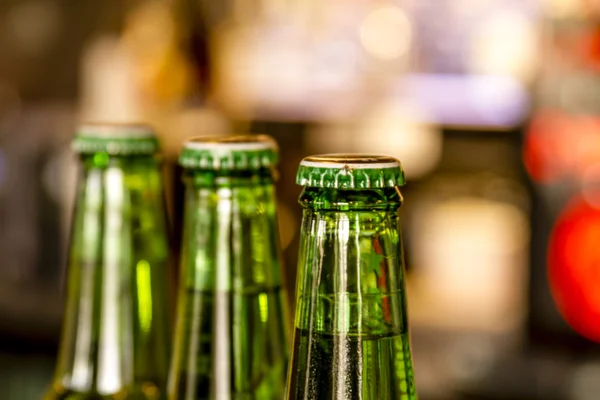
(230, 153)
(350, 171)
(115, 139)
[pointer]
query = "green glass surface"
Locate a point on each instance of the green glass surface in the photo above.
(351, 338)
(115, 340)
(231, 337)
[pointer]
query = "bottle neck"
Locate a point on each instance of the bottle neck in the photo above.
(351, 256)
(115, 331)
(231, 238)
(230, 339)
(120, 199)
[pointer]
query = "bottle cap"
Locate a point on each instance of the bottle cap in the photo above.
(350, 171)
(115, 139)
(230, 153)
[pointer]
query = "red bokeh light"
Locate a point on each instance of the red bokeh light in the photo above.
(561, 146)
(574, 266)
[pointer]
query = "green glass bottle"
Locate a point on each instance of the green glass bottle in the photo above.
(115, 340)
(351, 338)
(230, 340)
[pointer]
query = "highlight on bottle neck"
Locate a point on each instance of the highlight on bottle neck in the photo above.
(230, 154)
(115, 139)
(350, 171)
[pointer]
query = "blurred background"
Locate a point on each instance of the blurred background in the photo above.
(492, 105)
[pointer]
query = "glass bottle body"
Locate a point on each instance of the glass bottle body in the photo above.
(231, 339)
(351, 338)
(115, 339)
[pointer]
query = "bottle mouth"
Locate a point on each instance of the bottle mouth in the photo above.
(352, 161)
(115, 139)
(350, 171)
(115, 131)
(236, 142)
(230, 153)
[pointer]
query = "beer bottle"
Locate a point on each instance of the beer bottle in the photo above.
(230, 340)
(115, 337)
(351, 338)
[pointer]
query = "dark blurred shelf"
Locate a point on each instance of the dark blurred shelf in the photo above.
(24, 377)
(29, 318)
(540, 378)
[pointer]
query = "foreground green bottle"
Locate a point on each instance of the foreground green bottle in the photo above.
(115, 338)
(351, 339)
(230, 341)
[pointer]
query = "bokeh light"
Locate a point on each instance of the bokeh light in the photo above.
(386, 32)
(506, 44)
(469, 261)
(559, 145)
(574, 266)
(109, 92)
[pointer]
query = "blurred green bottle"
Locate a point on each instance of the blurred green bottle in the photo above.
(115, 340)
(231, 337)
(351, 338)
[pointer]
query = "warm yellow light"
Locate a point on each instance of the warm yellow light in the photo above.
(505, 44)
(386, 33)
(469, 259)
